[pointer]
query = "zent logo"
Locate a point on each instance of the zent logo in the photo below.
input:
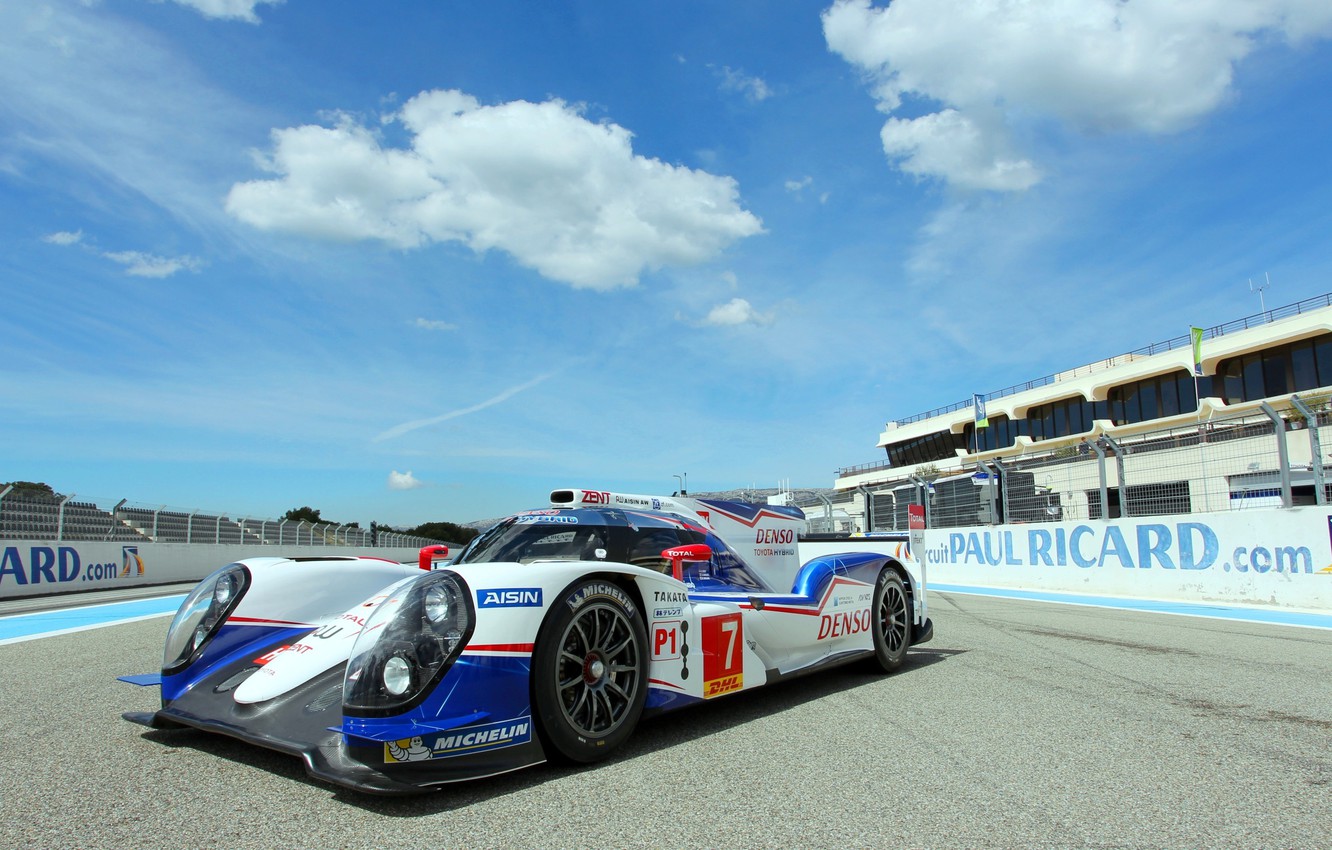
(596, 497)
(510, 597)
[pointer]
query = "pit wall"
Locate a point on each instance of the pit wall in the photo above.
(42, 567)
(1266, 557)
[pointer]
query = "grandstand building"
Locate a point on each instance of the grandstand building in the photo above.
(1169, 428)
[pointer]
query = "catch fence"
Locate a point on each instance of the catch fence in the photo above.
(1265, 458)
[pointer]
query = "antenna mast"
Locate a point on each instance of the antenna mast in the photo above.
(1267, 284)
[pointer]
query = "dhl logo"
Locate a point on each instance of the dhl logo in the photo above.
(726, 684)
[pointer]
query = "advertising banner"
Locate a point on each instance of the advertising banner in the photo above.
(1280, 557)
(41, 567)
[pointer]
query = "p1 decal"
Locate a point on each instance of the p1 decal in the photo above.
(509, 597)
(666, 640)
(723, 654)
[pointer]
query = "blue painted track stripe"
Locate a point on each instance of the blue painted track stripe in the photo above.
(1275, 616)
(21, 627)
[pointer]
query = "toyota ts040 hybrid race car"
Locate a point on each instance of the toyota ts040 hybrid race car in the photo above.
(550, 635)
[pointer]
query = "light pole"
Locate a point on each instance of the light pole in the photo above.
(684, 483)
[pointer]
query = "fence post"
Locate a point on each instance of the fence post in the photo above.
(1000, 512)
(1098, 446)
(923, 487)
(1315, 448)
(60, 521)
(1283, 453)
(1119, 474)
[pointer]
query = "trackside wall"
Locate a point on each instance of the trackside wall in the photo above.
(1278, 557)
(40, 567)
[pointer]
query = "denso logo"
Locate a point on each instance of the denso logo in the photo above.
(775, 535)
(841, 625)
(510, 597)
(596, 497)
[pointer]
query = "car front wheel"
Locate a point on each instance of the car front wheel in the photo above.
(590, 671)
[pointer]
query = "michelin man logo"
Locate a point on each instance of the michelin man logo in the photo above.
(411, 749)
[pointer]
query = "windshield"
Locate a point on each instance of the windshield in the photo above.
(582, 534)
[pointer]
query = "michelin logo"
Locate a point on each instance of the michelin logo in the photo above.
(469, 739)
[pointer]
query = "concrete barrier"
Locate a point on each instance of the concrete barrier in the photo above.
(40, 567)
(1268, 557)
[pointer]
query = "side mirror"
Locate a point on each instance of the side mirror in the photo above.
(430, 554)
(681, 555)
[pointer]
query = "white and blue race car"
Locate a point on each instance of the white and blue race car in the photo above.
(549, 636)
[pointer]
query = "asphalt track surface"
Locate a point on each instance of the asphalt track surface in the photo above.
(1023, 724)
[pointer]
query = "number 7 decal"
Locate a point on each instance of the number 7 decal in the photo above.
(723, 654)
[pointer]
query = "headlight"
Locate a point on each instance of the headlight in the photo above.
(438, 603)
(201, 614)
(397, 675)
(407, 644)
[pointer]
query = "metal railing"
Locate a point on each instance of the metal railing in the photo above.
(27, 515)
(1272, 458)
(1256, 320)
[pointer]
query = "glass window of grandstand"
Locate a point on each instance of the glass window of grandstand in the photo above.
(1290, 368)
(999, 434)
(941, 445)
(1062, 418)
(1153, 398)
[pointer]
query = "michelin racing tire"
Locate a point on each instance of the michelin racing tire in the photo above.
(891, 621)
(590, 671)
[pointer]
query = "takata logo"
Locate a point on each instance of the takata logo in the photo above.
(509, 597)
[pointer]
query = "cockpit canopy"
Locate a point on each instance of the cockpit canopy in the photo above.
(627, 537)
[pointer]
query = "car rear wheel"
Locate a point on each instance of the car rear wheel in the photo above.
(590, 671)
(892, 621)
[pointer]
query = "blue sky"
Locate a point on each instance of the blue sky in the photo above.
(428, 260)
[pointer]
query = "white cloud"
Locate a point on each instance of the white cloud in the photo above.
(139, 264)
(560, 194)
(991, 69)
(753, 88)
(64, 237)
(735, 312)
(798, 187)
(949, 144)
(434, 325)
(404, 481)
(240, 10)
